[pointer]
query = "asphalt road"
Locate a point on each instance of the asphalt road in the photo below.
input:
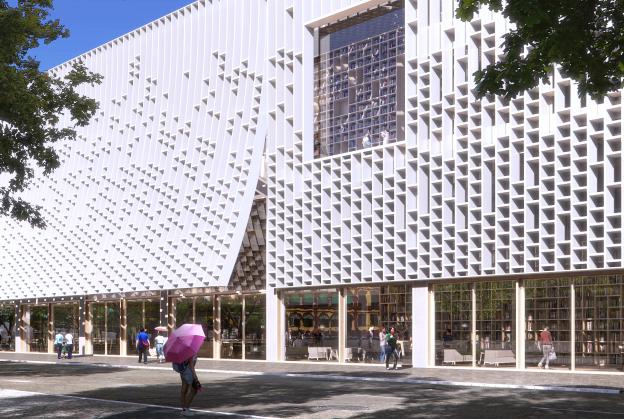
(82, 391)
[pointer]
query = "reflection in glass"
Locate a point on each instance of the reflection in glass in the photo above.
(37, 332)
(453, 324)
(98, 328)
(113, 323)
(547, 303)
(496, 313)
(231, 327)
(311, 325)
(152, 317)
(7, 328)
(134, 323)
(255, 344)
(66, 319)
(363, 326)
(183, 311)
(396, 310)
(204, 316)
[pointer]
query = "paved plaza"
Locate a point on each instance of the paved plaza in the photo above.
(117, 387)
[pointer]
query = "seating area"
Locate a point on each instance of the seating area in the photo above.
(319, 352)
(498, 356)
(452, 356)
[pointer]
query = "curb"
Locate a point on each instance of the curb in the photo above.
(333, 377)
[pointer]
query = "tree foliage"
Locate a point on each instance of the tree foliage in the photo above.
(31, 104)
(584, 37)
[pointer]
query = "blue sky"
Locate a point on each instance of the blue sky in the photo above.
(95, 22)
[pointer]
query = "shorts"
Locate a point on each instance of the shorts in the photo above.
(187, 376)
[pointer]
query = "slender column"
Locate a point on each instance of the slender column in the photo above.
(216, 316)
(244, 332)
(82, 326)
(473, 323)
(572, 326)
(342, 324)
(50, 334)
(171, 307)
(164, 303)
(520, 326)
(25, 330)
(421, 326)
(123, 347)
(274, 320)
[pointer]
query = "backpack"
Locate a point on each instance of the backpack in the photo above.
(179, 367)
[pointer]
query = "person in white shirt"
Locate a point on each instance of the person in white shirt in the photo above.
(69, 344)
(160, 341)
(58, 343)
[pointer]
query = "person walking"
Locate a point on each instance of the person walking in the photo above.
(545, 339)
(382, 344)
(391, 347)
(58, 343)
(142, 345)
(69, 344)
(190, 383)
(160, 343)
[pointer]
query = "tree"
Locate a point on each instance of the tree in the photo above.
(31, 103)
(584, 37)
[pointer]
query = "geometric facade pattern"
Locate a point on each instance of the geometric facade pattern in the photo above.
(156, 192)
(480, 187)
(249, 273)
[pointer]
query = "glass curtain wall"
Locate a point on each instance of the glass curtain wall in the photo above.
(255, 337)
(98, 328)
(66, 319)
(547, 304)
(113, 325)
(204, 316)
(134, 323)
(495, 331)
(311, 325)
(453, 324)
(231, 326)
(37, 332)
(152, 317)
(599, 322)
(7, 328)
(363, 325)
(395, 309)
(184, 311)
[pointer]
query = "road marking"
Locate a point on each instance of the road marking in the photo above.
(11, 394)
(578, 410)
(16, 381)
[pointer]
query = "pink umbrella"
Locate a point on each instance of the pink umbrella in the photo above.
(184, 342)
(160, 328)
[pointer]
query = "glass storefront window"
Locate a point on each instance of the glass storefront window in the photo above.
(152, 317)
(311, 325)
(37, 332)
(231, 327)
(66, 319)
(113, 324)
(547, 304)
(599, 322)
(496, 314)
(7, 328)
(255, 344)
(183, 311)
(98, 328)
(204, 316)
(453, 324)
(363, 325)
(396, 310)
(134, 323)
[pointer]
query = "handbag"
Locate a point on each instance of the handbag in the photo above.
(552, 356)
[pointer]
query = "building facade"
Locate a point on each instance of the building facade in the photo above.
(299, 185)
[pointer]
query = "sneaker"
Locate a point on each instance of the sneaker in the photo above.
(547, 367)
(387, 368)
(539, 365)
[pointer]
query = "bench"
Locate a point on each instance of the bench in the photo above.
(452, 356)
(499, 356)
(319, 352)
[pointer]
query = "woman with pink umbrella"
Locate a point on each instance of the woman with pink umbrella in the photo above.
(181, 349)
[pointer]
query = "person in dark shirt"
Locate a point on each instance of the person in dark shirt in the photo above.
(142, 345)
(391, 348)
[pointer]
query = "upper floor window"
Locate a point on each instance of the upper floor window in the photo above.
(359, 81)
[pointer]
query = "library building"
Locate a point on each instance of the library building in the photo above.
(301, 193)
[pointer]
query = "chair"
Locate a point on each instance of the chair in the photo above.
(499, 356)
(452, 356)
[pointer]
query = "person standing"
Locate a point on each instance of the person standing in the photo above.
(142, 345)
(190, 383)
(69, 344)
(58, 343)
(391, 347)
(160, 343)
(545, 339)
(382, 344)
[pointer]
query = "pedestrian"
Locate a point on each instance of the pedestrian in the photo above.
(160, 343)
(142, 345)
(190, 383)
(382, 344)
(545, 339)
(391, 347)
(58, 343)
(69, 344)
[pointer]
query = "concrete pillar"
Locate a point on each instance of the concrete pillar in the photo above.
(88, 329)
(123, 347)
(342, 324)
(520, 326)
(473, 323)
(572, 327)
(82, 326)
(216, 323)
(274, 326)
(25, 328)
(171, 313)
(164, 307)
(17, 323)
(50, 336)
(421, 330)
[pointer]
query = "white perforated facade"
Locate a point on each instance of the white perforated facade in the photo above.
(157, 192)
